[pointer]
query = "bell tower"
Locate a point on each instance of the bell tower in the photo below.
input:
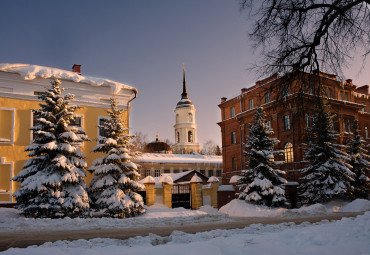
(185, 127)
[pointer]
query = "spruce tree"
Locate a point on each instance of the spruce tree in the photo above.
(262, 183)
(327, 175)
(115, 183)
(359, 163)
(52, 182)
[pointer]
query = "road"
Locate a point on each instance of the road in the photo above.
(22, 239)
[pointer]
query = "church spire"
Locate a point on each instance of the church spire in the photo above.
(184, 94)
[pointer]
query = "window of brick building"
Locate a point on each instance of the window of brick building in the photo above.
(233, 137)
(166, 171)
(267, 98)
(233, 164)
(288, 153)
(268, 124)
(366, 133)
(232, 112)
(203, 172)
(157, 172)
(286, 122)
(330, 93)
(308, 119)
(285, 91)
(147, 172)
(341, 95)
(250, 102)
(346, 96)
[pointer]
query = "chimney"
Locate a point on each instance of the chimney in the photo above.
(76, 69)
(223, 99)
(244, 90)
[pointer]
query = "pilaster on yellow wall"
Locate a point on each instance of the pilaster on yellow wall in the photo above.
(196, 195)
(214, 198)
(149, 191)
(167, 194)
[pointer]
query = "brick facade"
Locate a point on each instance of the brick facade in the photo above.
(289, 117)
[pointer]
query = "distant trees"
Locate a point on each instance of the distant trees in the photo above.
(115, 183)
(210, 148)
(327, 175)
(262, 183)
(52, 182)
(139, 141)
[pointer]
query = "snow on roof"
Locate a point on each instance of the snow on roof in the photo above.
(213, 179)
(174, 177)
(178, 158)
(235, 179)
(196, 178)
(148, 179)
(166, 179)
(30, 72)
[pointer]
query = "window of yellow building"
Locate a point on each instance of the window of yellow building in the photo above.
(7, 125)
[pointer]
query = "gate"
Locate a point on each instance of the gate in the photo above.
(181, 196)
(143, 194)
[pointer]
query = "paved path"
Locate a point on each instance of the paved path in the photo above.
(22, 239)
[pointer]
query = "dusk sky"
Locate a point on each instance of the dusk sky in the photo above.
(143, 44)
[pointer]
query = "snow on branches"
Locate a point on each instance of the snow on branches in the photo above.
(52, 182)
(114, 185)
(360, 164)
(261, 183)
(327, 175)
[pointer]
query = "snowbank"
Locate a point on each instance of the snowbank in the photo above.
(240, 208)
(358, 205)
(347, 236)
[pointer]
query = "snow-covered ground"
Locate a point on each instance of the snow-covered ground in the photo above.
(160, 215)
(157, 215)
(347, 236)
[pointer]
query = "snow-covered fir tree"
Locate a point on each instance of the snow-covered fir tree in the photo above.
(262, 183)
(327, 175)
(360, 164)
(52, 182)
(115, 183)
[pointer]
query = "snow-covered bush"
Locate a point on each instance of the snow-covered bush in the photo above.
(115, 182)
(359, 163)
(52, 182)
(261, 183)
(327, 175)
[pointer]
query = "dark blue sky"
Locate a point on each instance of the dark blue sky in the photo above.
(143, 44)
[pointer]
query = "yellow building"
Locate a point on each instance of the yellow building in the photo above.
(20, 85)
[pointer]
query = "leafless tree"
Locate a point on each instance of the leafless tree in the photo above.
(309, 34)
(210, 148)
(139, 141)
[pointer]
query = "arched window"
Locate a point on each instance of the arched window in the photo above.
(178, 137)
(288, 153)
(190, 117)
(190, 137)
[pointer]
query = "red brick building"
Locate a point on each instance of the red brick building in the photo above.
(287, 119)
